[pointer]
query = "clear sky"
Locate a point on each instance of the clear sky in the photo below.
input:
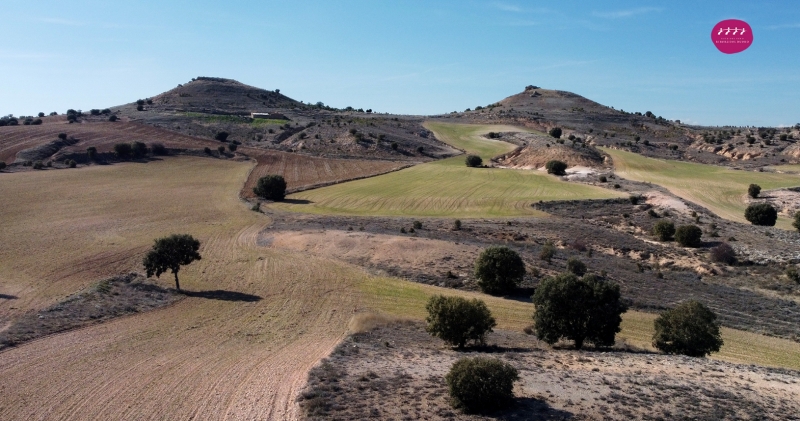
(414, 57)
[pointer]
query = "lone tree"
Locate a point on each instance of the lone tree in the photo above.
(688, 235)
(481, 384)
(499, 270)
(664, 230)
(689, 329)
(555, 132)
(754, 190)
(170, 253)
(556, 167)
(271, 187)
(474, 161)
(762, 214)
(457, 320)
(578, 309)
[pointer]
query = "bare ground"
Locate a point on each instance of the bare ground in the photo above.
(396, 372)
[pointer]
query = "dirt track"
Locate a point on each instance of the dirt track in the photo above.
(212, 356)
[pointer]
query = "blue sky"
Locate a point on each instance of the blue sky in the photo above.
(414, 57)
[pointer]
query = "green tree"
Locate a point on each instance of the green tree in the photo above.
(170, 253)
(762, 214)
(664, 230)
(499, 270)
(578, 309)
(222, 136)
(123, 150)
(271, 187)
(91, 153)
(139, 149)
(481, 384)
(688, 235)
(575, 266)
(473, 161)
(457, 320)
(754, 190)
(555, 132)
(547, 252)
(688, 329)
(556, 167)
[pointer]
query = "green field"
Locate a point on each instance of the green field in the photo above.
(407, 300)
(447, 188)
(721, 190)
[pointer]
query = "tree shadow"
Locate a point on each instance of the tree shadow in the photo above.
(530, 409)
(8, 297)
(223, 295)
(297, 201)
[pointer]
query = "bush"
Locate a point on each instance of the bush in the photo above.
(634, 199)
(556, 167)
(796, 223)
(688, 235)
(457, 225)
(548, 251)
(207, 150)
(473, 161)
(91, 152)
(481, 384)
(792, 274)
(232, 147)
(113, 118)
(603, 179)
(762, 214)
(221, 136)
(62, 136)
(2, 165)
(139, 149)
(417, 225)
(158, 149)
(139, 108)
(457, 320)
(576, 266)
(38, 165)
(94, 112)
(753, 190)
(664, 230)
(395, 146)
(499, 270)
(72, 163)
(723, 253)
(555, 132)
(578, 309)
(420, 149)
(123, 150)
(688, 329)
(272, 187)
(221, 149)
(36, 122)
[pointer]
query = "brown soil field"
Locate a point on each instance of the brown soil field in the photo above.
(212, 355)
(303, 172)
(397, 372)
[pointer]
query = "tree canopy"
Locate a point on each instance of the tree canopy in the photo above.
(170, 253)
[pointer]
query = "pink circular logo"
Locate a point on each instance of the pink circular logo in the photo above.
(732, 36)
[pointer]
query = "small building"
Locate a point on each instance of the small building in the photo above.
(270, 116)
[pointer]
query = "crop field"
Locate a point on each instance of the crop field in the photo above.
(302, 172)
(447, 188)
(721, 190)
(102, 135)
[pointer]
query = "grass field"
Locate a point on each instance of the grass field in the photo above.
(405, 299)
(721, 190)
(447, 188)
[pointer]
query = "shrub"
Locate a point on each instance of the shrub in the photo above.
(688, 329)
(457, 225)
(272, 187)
(723, 253)
(139, 102)
(94, 111)
(603, 179)
(221, 136)
(762, 214)
(576, 266)
(457, 320)
(688, 235)
(38, 165)
(556, 167)
(753, 190)
(2, 165)
(555, 132)
(139, 149)
(123, 150)
(232, 147)
(72, 163)
(113, 118)
(417, 225)
(91, 152)
(420, 149)
(792, 274)
(158, 149)
(499, 270)
(578, 309)
(221, 149)
(634, 199)
(62, 136)
(664, 230)
(473, 161)
(548, 251)
(139, 108)
(481, 384)
(796, 222)
(207, 150)
(41, 114)
(36, 122)
(395, 146)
